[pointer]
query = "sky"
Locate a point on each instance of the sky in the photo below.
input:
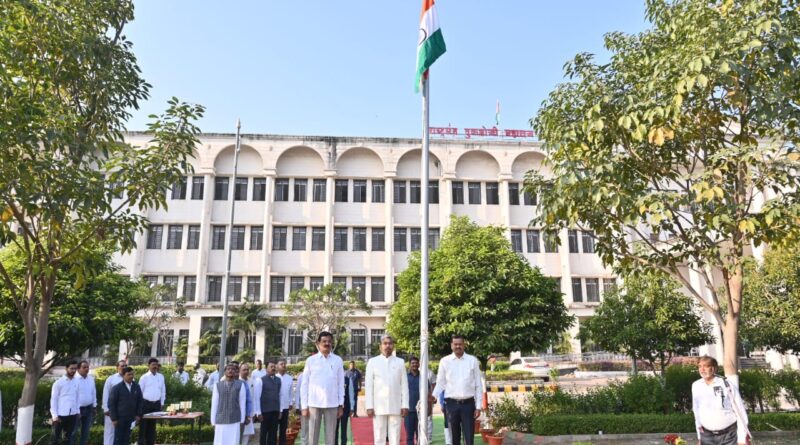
(346, 68)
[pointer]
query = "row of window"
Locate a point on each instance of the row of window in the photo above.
(344, 238)
(297, 190)
(592, 286)
(534, 241)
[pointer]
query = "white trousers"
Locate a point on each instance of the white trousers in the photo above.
(383, 425)
(108, 431)
(227, 434)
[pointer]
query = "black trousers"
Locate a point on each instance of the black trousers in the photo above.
(64, 427)
(461, 418)
(122, 432)
(147, 428)
(341, 427)
(726, 436)
(282, 425)
(269, 428)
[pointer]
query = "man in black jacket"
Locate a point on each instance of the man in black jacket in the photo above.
(125, 406)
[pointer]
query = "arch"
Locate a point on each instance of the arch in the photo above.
(300, 161)
(410, 164)
(530, 160)
(250, 163)
(360, 162)
(477, 164)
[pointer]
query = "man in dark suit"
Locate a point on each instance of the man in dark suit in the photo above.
(348, 411)
(125, 406)
(267, 403)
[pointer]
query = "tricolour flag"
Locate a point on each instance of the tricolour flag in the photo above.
(497, 113)
(431, 42)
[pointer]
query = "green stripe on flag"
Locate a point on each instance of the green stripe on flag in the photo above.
(430, 50)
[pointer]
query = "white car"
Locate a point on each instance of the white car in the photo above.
(535, 365)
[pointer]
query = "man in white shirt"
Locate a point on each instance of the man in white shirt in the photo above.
(259, 371)
(460, 379)
(64, 406)
(213, 379)
(108, 426)
(287, 381)
(719, 414)
(87, 400)
(386, 397)
(154, 392)
(303, 420)
(199, 375)
(181, 375)
(322, 390)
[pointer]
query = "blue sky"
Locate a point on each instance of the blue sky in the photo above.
(346, 68)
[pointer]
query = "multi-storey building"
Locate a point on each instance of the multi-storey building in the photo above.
(313, 210)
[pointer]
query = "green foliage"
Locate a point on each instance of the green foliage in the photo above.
(759, 388)
(772, 289)
(248, 318)
(508, 375)
(101, 311)
(679, 379)
(665, 150)
(648, 317)
(604, 366)
(328, 308)
(481, 289)
(165, 433)
(789, 380)
(506, 413)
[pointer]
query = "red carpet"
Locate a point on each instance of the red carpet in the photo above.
(362, 431)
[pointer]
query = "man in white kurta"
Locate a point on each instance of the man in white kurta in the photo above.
(386, 393)
(108, 426)
(228, 407)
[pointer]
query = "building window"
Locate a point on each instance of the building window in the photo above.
(154, 235)
(577, 291)
(378, 289)
(340, 239)
(318, 238)
(189, 287)
(171, 282)
(256, 237)
(533, 241)
(340, 190)
(151, 280)
(572, 237)
(214, 289)
(179, 189)
(513, 193)
(551, 243)
(378, 239)
(588, 241)
(458, 192)
(358, 343)
(300, 189)
(433, 239)
(218, 237)
(253, 288)
(220, 189)
(234, 288)
(400, 244)
(240, 189)
(273, 343)
(279, 238)
(237, 238)
(474, 192)
(295, 342)
(529, 199)
(416, 238)
(400, 192)
(340, 282)
(298, 238)
(375, 336)
(378, 190)
(516, 240)
(282, 189)
(259, 189)
(359, 190)
(193, 240)
(198, 183)
(492, 193)
(415, 193)
(359, 239)
(316, 283)
(175, 237)
(276, 289)
(360, 286)
(319, 190)
(592, 290)
(296, 283)
(608, 285)
(165, 339)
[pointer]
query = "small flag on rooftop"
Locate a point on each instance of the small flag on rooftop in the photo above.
(431, 42)
(497, 113)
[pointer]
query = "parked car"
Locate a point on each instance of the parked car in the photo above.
(535, 365)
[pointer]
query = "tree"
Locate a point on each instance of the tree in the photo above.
(161, 306)
(772, 315)
(68, 84)
(678, 151)
(648, 318)
(479, 288)
(99, 312)
(328, 308)
(249, 318)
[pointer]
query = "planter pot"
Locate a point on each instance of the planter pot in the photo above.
(495, 440)
(477, 426)
(485, 432)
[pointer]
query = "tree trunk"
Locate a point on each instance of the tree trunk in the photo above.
(27, 402)
(730, 332)
(633, 363)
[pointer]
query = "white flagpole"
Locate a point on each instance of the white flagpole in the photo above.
(224, 335)
(423, 325)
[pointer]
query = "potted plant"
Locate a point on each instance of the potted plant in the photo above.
(503, 416)
(293, 428)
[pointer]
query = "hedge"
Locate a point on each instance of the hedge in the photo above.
(509, 375)
(164, 434)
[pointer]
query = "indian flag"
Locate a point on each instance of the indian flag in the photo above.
(431, 42)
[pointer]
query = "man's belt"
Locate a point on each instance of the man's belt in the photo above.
(725, 430)
(460, 401)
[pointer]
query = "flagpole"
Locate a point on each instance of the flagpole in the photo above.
(224, 335)
(423, 334)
